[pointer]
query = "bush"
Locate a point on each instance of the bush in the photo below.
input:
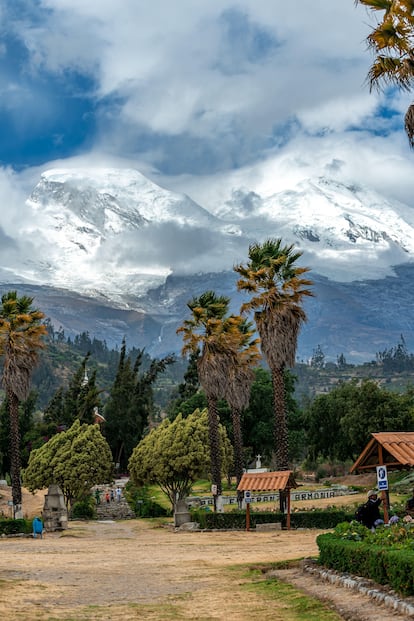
(142, 503)
(385, 556)
(84, 509)
(237, 519)
(13, 527)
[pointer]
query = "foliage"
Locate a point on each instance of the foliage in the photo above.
(258, 418)
(340, 422)
(143, 503)
(78, 401)
(13, 527)
(187, 389)
(84, 509)
(277, 287)
(131, 403)
(392, 41)
(75, 460)
(318, 358)
(386, 555)
(21, 333)
(176, 454)
(237, 519)
(217, 335)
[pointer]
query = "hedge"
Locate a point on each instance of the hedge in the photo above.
(13, 527)
(237, 519)
(383, 565)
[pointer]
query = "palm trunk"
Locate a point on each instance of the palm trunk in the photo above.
(238, 449)
(280, 430)
(215, 449)
(15, 461)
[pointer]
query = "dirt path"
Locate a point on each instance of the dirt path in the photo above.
(131, 570)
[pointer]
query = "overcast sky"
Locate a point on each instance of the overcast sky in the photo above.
(200, 95)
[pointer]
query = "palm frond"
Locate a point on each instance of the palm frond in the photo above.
(409, 125)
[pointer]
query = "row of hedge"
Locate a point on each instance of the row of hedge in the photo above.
(394, 567)
(237, 519)
(14, 527)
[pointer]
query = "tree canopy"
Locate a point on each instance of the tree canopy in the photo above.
(340, 422)
(392, 41)
(76, 460)
(176, 453)
(131, 403)
(21, 333)
(277, 286)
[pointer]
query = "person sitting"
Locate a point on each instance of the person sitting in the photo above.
(370, 514)
(409, 506)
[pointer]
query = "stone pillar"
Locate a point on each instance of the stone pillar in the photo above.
(55, 514)
(181, 513)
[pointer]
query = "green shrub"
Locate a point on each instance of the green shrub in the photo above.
(12, 527)
(237, 519)
(385, 556)
(84, 509)
(142, 503)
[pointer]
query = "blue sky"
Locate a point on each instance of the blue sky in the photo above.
(192, 91)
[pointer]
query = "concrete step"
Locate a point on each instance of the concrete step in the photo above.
(114, 510)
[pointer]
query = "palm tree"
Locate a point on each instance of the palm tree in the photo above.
(211, 331)
(21, 333)
(392, 40)
(237, 390)
(277, 286)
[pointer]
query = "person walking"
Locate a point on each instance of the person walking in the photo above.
(118, 494)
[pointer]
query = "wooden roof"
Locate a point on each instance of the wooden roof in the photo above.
(392, 449)
(267, 481)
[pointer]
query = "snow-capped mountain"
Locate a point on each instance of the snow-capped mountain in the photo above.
(115, 237)
(346, 232)
(105, 231)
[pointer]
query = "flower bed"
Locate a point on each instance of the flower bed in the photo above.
(386, 555)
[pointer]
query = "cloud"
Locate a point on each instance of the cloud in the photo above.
(190, 86)
(179, 249)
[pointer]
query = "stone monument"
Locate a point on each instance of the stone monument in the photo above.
(181, 513)
(55, 514)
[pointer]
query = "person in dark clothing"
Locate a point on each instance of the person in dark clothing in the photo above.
(370, 514)
(409, 506)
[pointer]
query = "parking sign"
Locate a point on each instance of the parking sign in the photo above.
(382, 478)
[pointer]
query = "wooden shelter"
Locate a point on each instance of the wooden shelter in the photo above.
(393, 449)
(278, 481)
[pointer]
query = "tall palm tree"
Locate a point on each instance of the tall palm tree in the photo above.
(21, 333)
(392, 40)
(277, 287)
(210, 330)
(237, 390)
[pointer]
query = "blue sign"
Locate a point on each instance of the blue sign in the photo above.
(382, 478)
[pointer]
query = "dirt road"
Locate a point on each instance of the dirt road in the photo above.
(131, 570)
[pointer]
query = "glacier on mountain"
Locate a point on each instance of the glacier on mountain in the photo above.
(114, 239)
(116, 232)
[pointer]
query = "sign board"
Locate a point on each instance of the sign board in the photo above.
(247, 497)
(214, 489)
(382, 478)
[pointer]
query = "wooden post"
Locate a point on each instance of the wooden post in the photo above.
(288, 509)
(383, 493)
(248, 516)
